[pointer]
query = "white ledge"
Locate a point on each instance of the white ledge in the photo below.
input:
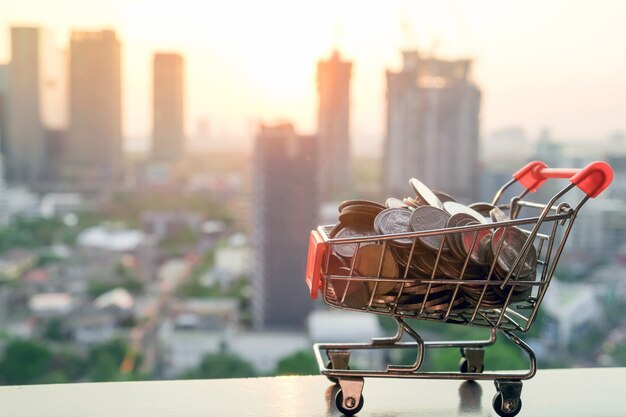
(595, 392)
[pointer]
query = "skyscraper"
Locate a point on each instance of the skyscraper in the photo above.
(95, 109)
(285, 208)
(433, 111)
(168, 107)
(4, 98)
(333, 86)
(24, 145)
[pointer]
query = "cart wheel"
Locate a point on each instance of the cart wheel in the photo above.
(333, 379)
(347, 412)
(464, 367)
(508, 408)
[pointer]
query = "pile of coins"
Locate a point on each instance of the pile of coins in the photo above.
(391, 272)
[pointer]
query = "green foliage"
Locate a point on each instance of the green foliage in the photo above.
(47, 259)
(116, 349)
(192, 288)
(619, 354)
(105, 359)
(54, 329)
(501, 356)
(184, 238)
(24, 362)
(54, 377)
(104, 368)
(221, 365)
(127, 279)
(299, 363)
(34, 233)
(70, 363)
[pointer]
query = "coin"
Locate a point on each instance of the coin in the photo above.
(497, 215)
(424, 193)
(392, 221)
(335, 262)
(512, 240)
(518, 294)
(393, 202)
(472, 244)
(452, 207)
(443, 197)
(482, 208)
(356, 292)
(358, 214)
(411, 203)
(429, 218)
(368, 203)
(347, 250)
(336, 228)
(368, 264)
(454, 240)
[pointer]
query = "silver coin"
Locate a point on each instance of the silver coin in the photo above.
(392, 221)
(482, 208)
(512, 240)
(355, 231)
(425, 194)
(497, 215)
(393, 202)
(429, 218)
(472, 242)
(452, 207)
(443, 197)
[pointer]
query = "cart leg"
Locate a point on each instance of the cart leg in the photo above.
(349, 397)
(420, 349)
(507, 401)
(472, 361)
(390, 340)
(337, 359)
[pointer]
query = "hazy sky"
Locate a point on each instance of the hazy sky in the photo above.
(557, 64)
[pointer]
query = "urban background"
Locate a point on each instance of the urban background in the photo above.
(155, 203)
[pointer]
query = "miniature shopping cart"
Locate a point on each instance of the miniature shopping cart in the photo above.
(545, 227)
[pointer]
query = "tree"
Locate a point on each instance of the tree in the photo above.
(299, 363)
(221, 365)
(105, 359)
(500, 356)
(24, 362)
(54, 329)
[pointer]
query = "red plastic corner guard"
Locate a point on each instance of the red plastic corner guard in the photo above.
(317, 250)
(530, 176)
(592, 179)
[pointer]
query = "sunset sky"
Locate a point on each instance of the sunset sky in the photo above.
(557, 64)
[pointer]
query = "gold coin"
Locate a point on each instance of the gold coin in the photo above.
(368, 264)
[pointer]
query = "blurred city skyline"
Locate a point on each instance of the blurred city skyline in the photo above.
(556, 65)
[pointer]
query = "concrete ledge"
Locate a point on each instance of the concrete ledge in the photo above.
(595, 392)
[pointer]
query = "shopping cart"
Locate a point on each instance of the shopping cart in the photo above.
(545, 227)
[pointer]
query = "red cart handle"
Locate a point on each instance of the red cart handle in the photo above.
(592, 179)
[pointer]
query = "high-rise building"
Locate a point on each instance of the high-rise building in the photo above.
(4, 117)
(34, 100)
(333, 86)
(433, 111)
(168, 107)
(4, 215)
(285, 208)
(94, 147)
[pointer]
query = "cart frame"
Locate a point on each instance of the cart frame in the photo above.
(548, 234)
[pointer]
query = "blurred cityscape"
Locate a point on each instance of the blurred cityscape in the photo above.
(188, 262)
